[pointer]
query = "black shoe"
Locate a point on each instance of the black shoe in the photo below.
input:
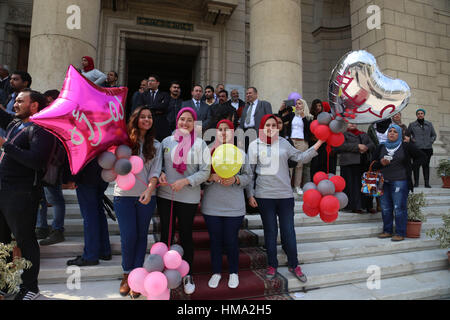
(416, 184)
(42, 233)
(427, 186)
(56, 236)
(106, 258)
(25, 294)
(79, 261)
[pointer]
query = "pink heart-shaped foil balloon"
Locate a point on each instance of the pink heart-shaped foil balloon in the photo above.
(359, 92)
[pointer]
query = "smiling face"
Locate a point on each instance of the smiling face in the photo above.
(145, 121)
(186, 122)
(392, 135)
(224, 134)
(271, 128)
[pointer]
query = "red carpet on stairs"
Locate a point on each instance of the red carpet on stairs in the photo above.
(252, 267)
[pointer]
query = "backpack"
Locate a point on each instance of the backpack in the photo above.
(53, 171)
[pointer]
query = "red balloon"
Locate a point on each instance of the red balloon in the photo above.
(312, 198)
(339, 183)
(309, 211)
(328, 218)
(322, 132)
(319, 176)
(326, 106)
(88, 119)
(313, 126)
(329, 205)
(336, 139)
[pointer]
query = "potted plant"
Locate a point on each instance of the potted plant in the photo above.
(442, 234)
(443, 171)
(416, 201)
(10, 271)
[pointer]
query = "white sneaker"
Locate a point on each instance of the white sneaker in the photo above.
(233, 281)
(188, 284)
(299, 190)
(214, 281)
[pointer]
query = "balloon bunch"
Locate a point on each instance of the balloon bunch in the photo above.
(120, 166)
(324, 196)
(163, 270)
(329, 129)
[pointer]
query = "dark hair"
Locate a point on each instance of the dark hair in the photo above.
(52, 93)
(148, 149)
(174, 82)
(25, 76)
(154, 76)
(36, 96)
(254, 89)
(220, 84)
(226, 92)
(209, 87)
(196, 85)
(115, 74)
(314, 112)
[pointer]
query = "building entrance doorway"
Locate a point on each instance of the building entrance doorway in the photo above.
(169, 61)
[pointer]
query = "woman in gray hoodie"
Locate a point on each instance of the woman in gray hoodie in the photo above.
(224, 214)
(272, 194)
(186, 165)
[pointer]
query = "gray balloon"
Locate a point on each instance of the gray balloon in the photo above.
(173, 278)
(177, 248)
(324, 118)
(309, 185)
(154, 262)
(123, 151)
(326, 187)
(343, 199)
(331, 175)
(122, 167)
(337, 126)
(109, 175)
(106, 160)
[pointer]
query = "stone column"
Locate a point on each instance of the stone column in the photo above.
(54, 45)
(275, 49)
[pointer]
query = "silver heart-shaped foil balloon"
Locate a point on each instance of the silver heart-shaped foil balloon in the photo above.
(359, 92)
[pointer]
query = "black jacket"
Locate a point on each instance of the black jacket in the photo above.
(160, 109)
(24, 159)
(287, 125)
(411, 151)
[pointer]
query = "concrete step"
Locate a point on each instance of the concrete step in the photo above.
(330, 232)
(428, 285)
(333, 273)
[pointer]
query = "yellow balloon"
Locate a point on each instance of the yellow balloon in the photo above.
(227, 160)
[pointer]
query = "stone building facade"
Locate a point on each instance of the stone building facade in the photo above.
(278, 46)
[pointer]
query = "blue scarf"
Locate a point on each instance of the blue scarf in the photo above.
(392, 145)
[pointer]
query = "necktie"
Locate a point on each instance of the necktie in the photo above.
(153, 97)
(197, 105)
(249, 114)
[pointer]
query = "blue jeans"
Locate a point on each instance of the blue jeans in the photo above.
(134, 220)
(224, 232)
(95, 226)
(54, 196)
(395, 199)
(269, 209)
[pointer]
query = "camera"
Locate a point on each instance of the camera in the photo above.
(289, 103)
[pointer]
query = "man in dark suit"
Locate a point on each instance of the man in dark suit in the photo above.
(159, 104)
(174, 103)
(204, 112)
(254, 111)
(237, 103)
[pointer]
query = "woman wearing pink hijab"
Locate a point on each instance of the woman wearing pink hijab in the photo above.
(89, 71)
(186, 165)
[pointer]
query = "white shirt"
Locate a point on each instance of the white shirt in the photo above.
(297, 131)
(382, 137)
(235, 104)
(252, 117)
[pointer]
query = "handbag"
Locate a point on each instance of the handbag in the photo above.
(372, 182)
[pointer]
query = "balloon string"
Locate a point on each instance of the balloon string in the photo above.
(328, 148)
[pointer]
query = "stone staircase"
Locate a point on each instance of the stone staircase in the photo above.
(338, 258)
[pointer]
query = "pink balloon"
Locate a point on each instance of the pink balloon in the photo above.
(163, 296)
(137, 164)
(172, 259)
(183, 269)
(88, 119)
(136, 279)
(155, 283)
(126, 182)
(159, 248)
